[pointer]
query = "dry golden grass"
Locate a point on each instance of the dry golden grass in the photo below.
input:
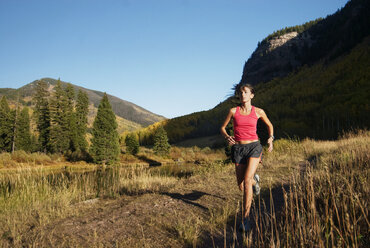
(139, 179)
(314, 193)
(21, 159)
(177, 154)
(196, 154)
(325, 194)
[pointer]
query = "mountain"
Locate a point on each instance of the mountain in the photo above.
(312, 80)
(129, 116)
(321, 40)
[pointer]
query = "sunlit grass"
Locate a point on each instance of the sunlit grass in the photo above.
(322, 187)
(324, 196)
(137, 180)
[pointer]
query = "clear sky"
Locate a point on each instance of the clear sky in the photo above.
(171, 57)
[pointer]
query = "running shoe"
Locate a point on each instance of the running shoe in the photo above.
(245, 226)
(256, 187)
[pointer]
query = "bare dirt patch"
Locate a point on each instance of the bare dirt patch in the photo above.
(170, 218)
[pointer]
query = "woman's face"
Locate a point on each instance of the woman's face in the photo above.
(245, 94)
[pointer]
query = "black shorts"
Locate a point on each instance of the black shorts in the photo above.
(240, 153)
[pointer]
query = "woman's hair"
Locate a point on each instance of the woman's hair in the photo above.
(239, 87)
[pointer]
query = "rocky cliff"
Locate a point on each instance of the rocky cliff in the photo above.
(282, 53)
(275, 57)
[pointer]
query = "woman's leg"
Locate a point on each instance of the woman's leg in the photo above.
(248, 182)
(240, 172)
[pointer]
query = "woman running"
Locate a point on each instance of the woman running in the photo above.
(246, 150)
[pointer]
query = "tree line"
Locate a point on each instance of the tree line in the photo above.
(296, 28)
(60, 119)
(60, 126)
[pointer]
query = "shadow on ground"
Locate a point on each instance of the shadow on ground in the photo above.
(151, 162)
(191, 197)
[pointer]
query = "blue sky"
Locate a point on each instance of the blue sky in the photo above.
(171, 57)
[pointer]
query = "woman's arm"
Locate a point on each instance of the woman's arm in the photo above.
(268, 123)
(229, 138)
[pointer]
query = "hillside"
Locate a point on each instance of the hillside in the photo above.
(289, 49)
(321, 98)
(130, 116)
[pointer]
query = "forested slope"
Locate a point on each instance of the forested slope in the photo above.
(319, 101)
(323, 100)
(312, 80)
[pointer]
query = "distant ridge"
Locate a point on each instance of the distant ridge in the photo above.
(121, 108)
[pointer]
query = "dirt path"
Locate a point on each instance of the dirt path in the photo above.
(178, 217)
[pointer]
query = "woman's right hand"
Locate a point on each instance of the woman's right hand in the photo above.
(230, 140)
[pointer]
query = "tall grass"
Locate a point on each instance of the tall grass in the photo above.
(324, 202)
(177, 154)
(34, 198)
(137, 180)
(326, 205)
(22, 158)
(318, 197)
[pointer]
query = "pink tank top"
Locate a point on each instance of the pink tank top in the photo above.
(245, 126)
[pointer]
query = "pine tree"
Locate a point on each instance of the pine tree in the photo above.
(34, 143)
(23, 135)
(71, 118)
(42, 115)
(15, 124)
(132, 144)
(161, 145)
(59, 132)
(6, 125)
(105, 142)
(82, 110)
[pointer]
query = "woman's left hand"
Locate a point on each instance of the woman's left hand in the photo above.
(269, 141)
(230, 140)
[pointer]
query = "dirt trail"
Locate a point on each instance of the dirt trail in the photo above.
(161, 219)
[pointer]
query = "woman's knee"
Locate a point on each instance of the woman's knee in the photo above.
(248, 182)
(241, 186)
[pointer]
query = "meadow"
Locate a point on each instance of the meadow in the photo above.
(314, 193)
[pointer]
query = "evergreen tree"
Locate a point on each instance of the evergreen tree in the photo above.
(132, 144)
(104, 143)
(34, 143)
(42, 115)
(59, 132)
(23, 135)
(161, 145)
(6, 125)
(82, 110)
(71, 118)
(15, 124)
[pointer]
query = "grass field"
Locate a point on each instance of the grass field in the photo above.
(314, 193)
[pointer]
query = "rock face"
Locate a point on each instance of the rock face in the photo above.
(326, 40)
(279, 41)
(275, 57)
